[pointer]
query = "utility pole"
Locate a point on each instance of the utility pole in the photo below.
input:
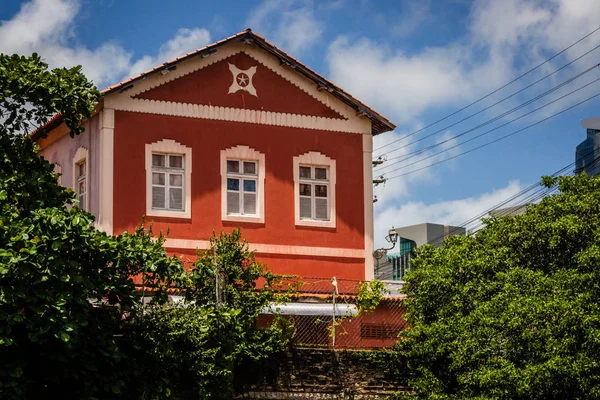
(335, 292)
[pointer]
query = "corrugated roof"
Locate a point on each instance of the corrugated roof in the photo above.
(379, 123)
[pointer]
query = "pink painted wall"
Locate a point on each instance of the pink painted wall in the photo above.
(61, 148)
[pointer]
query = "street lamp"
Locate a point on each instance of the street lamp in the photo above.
(392, 238)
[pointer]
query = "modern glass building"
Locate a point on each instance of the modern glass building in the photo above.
(401, 260)
(395, 265)
(587, 153)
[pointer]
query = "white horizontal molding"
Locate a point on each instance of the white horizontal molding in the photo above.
(274, 249)
(239, 115)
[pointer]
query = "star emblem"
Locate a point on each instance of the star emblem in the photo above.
(242, 79)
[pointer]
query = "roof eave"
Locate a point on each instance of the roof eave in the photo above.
(379, 124)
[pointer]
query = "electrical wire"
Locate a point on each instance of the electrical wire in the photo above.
(495, 140)
(378, 171)
(488, 107)
(538, 193)
(496, 118)
(495, 91)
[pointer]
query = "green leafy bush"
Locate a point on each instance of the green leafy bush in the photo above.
(512, 312)
(71, 323)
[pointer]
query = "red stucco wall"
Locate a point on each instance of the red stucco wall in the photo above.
(279, 144)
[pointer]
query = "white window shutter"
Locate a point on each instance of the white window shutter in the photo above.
(250, 203)
(305, 208)
(233, 203)
(158, 197)
(176, 198)
(321, 209)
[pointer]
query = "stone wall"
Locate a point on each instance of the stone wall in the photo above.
(317, 374)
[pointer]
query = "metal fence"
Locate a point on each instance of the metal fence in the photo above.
(321, 316)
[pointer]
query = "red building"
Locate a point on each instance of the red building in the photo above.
(236, 134)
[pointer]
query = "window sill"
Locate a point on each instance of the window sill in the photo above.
(244, 218)
(169, 214)
(315, 223)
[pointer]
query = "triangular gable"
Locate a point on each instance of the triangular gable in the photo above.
(242, 82)
(357, 117)
(188, 91)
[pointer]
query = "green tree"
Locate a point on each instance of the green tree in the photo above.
(66, 288)
(512, 312)
(64, 285)
(204, 339)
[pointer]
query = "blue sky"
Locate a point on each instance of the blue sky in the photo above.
(414, 61)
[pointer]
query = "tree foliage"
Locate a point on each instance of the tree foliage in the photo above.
(63, 284)
(66, 288)
(512, 312)
(370, 294)
(30, 94)
(207, 336)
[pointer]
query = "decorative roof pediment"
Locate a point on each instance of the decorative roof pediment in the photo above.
(243, 83)
(240, 81)
(333, 108)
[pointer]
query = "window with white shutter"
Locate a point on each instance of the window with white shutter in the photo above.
(242, 182)
(314, 180)
(80, 177)
(314, 193)
(168, 179)
(81, 187)
(243, 174)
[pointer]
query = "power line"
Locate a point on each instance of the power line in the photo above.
(493, 92)
(496, 140)
(478, 136)
(539, 193)
(577, 76)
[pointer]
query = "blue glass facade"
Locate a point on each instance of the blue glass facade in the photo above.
(587, 154)
(401, 260)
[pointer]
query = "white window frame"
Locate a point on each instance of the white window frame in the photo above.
(244, 153)
(170, 147)
(315, 159)
(81, 155)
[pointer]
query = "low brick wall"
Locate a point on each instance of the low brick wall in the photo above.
(316, 374)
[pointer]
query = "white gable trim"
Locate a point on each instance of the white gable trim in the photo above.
(352, 124)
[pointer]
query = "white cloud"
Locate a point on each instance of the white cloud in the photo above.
(292, 24)
(47, 27)
(504, 38)
(414, 15)
(407, 159)
(185, 40)
(451, 212)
